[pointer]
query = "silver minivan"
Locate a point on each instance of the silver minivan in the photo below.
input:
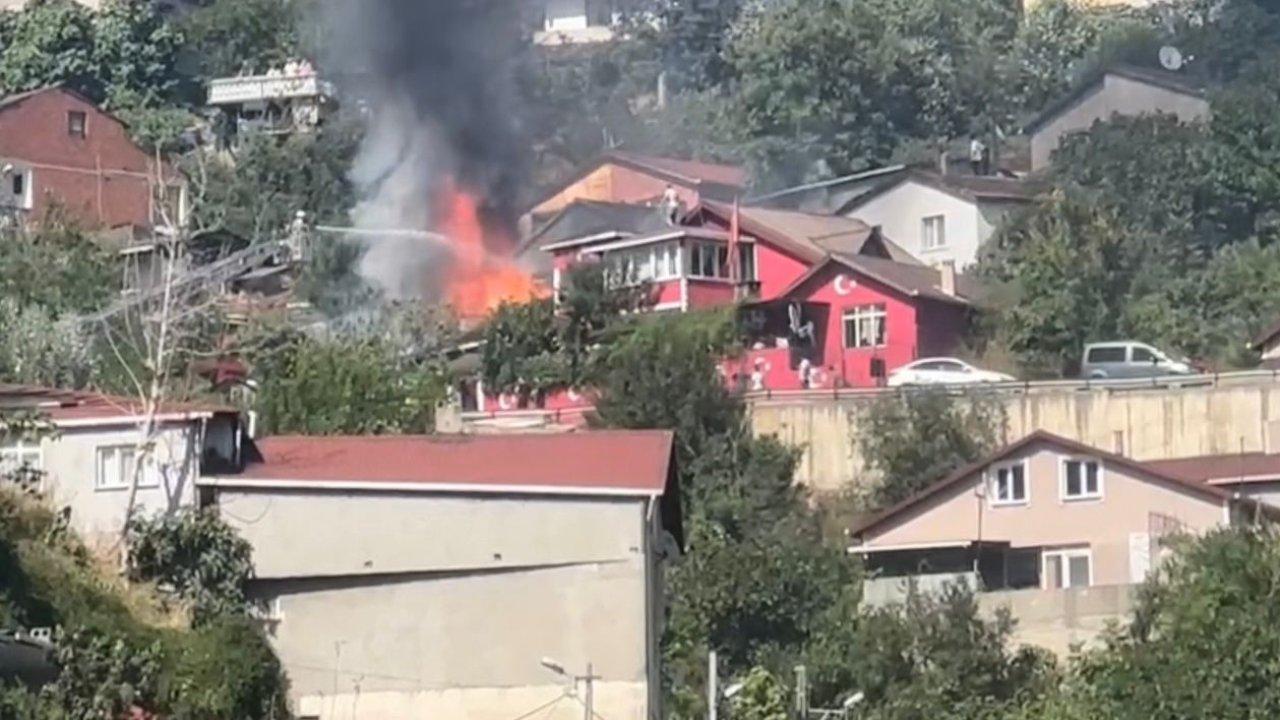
(1129, 359)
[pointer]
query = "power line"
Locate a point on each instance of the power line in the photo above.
(544, 706)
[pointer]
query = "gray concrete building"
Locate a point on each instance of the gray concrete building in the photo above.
(461, 576)
(1120, 90)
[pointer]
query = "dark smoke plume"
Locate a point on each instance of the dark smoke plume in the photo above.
(437, 78)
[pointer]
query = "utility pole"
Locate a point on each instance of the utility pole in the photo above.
(589, 705)
(712, 691)
(802, 693)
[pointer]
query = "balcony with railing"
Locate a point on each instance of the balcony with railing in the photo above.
(270, 87)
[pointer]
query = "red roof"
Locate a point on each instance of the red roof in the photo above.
(966, 472)
(83, 405)
(687, 171)
(1222, 469)
(608, 462)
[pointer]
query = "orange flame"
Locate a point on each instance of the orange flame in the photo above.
(479, 280)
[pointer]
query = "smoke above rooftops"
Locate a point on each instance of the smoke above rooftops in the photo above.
(437, 81)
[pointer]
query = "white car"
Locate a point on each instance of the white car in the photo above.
(943, 371)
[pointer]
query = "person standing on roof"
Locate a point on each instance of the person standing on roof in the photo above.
(977, 155)
(671, 204)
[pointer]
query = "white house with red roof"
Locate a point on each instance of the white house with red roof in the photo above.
(461, 576)
(86, 447)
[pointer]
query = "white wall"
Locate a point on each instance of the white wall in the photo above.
(69, 461)
(566, 15)
(1116, 95)
(411, 605)
(900, 212)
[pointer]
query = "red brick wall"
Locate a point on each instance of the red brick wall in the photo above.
(103, 179)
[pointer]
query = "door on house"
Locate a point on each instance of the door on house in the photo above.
(1067, 568)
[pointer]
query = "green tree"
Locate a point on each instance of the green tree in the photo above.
(270, 180)
(1201, 642)
(689, 37)
(935, 655)
(757, 571)
(124, 48)
(914, 438)
(664, 375)
(522, 351)
(136, 51)
(55, 267)
(843, 84)
(763, 697)
(195, 556)
(48, 42)
(37, 349)
(1060, 265)
(228, 37)
(345, 384)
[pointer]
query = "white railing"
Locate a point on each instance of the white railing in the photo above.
(224, 91)
(1167, 382)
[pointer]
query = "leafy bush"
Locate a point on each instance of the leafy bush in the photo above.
(117, 648)
(195, 556)
(913, 438)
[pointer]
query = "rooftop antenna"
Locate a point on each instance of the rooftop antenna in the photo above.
(1171, 58)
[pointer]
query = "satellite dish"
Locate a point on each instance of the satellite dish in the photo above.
(1170, 58)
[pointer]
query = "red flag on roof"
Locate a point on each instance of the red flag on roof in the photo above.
(734, 236)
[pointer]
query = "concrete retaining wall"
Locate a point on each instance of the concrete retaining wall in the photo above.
(1144, 423)
(1061, 620)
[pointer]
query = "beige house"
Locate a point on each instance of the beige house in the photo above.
(1051, 529)
(84, 457)
(462, 576)
(1044, 512)
(1121, 90)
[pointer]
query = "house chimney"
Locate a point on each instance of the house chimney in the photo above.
(947, 277)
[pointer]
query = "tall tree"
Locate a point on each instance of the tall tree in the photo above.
(911, 439)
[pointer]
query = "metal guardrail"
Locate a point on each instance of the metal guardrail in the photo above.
(1029, 387)
(1241, 378)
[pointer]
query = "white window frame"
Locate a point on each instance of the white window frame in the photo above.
(859, 313)
(1062, 479)
(18, 449)
(993, 478)
(148, 478)
(933, 232)
(696, 250)
(1064, 566)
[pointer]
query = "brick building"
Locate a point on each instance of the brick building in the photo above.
(59, 149)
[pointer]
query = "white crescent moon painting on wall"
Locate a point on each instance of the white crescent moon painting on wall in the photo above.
(843, 285)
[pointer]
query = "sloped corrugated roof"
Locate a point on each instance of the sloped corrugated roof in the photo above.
(688, 171)
(1222, 469)
(967, 472)
(809, 236)
(608, 462)
(60, 405)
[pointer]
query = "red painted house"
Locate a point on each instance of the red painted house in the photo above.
(58, 148)
(826, 301)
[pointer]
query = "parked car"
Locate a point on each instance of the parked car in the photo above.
(943, 371)
(1128, 359)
